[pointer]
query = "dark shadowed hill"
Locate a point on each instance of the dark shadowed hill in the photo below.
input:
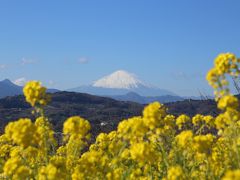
(193, 107)
(103, 113)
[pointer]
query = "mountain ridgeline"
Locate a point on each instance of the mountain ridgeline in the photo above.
(8, 88)
(134, 97)
(119, 86)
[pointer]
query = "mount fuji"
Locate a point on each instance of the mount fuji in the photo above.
(120, 83)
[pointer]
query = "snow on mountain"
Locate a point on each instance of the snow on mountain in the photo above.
(120, 79)
(121, 83)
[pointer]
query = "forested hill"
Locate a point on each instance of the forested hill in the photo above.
(103, 113)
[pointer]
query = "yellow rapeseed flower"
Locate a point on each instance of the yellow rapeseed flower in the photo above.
(153, 115)
(228, 101)
(22, 132)
(35, 94)
(181, 120)
(175, 173)
(184, 138)
(232, 175)
(76, 125)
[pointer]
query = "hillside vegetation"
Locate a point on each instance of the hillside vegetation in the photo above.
(104, 114)
(98, 110)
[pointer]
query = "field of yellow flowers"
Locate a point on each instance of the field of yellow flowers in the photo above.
(155, 145)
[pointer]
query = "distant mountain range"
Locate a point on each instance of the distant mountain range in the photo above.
(8, 88)
(121, 83)
(134, 97)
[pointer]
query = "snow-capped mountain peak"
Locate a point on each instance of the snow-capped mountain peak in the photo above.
(119, 83)
(119, 80)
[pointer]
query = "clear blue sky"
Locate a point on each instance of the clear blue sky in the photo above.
(65, 44)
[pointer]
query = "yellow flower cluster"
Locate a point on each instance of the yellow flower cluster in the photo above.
(175, 173)
(203, 143)
(228, 101)
(225, 64)
(184, 138)
(182, 120)
(22, 132)
(156, 145)
(76, 125)
(232, 175)
(36, 94)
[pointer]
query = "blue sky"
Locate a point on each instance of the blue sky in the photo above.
(65, 44)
